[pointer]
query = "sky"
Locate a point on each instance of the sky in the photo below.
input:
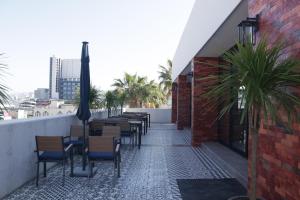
(133, 36)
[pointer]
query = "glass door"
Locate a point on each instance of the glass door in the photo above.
(238, 131)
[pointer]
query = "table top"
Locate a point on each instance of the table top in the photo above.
(134, 122)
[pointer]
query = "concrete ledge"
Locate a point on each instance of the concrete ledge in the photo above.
(158, 115)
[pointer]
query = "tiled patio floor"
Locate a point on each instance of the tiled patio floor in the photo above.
(148, 173)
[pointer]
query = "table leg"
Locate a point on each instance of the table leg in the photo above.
(140, 134)
(72, 162)
(144, 127)
(146, 124)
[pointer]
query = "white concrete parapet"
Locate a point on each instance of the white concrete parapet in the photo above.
(17, 145)
(158, 115)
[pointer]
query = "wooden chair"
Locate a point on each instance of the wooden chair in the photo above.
(126, 130)
(96, 126)
(76, 136)
(51, 149)
(113, 131)
(103, 148)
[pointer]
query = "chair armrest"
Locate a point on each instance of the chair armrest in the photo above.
(117, 148)
(65, 137)
(68, 147)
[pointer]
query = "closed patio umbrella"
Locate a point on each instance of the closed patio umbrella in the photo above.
(83, 112)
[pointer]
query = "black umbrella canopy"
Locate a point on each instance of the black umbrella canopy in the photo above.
(83, 112)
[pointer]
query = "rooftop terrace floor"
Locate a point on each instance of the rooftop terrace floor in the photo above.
(148, 173)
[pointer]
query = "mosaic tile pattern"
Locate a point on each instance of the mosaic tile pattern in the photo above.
(148, 173)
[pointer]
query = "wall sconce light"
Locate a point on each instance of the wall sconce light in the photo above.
(174, 87)
(190, 74)
(247, 30)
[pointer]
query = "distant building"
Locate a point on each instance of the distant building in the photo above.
(55, 68)
(27, 104)
(64, 78)
(56, 107)
(69, 78)
(41, 93)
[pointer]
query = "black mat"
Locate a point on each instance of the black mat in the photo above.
(209, 189)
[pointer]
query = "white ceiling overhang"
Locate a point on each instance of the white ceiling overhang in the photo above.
(209, 32)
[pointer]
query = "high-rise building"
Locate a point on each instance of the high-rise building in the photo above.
(69, 78)
(64, 78)
(55, 68)
(41, 93)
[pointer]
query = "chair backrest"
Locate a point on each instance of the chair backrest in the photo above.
(124, 125)
(96, 124)
(49, 143)
(101, 144)
(113, 131)
(77, 131)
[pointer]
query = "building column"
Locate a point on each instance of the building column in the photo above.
(204, 126)
(174, 103)
(183, 102)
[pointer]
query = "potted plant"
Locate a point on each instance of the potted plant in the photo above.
(267, 80)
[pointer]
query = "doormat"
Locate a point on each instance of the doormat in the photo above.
(209, 189)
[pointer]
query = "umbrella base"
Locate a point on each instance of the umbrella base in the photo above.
(78, 172)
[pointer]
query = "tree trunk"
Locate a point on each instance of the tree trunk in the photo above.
(254, 127)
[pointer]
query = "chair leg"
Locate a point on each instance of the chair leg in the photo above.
(72, 163)
(37, 173)
(45, 169)
(118, 166)
(63, 162)
(115, 162)
(90, 167)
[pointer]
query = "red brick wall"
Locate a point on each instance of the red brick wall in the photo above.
(204, 125)
(183, 102)
(174, 103)
(279, 153)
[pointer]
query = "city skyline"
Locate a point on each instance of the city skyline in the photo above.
(131, 36)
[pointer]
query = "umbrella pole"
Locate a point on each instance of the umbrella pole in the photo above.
(83, 148)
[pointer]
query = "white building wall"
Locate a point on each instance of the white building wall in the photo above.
(54, 77)
(70, 68)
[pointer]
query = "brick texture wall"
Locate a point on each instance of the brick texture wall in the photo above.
(204, 125)
(279, 152)
(183, 102)
(174, 103)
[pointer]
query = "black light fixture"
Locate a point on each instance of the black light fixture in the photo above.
(248, 29)
(190, 74)
(174, 87)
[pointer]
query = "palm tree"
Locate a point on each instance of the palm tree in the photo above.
(4, 97)
(138, 91)
(153, 94)
(165, 76)
(267, 81)
(96, 98)
(110, 101)
(132, 86)
(121, 98)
